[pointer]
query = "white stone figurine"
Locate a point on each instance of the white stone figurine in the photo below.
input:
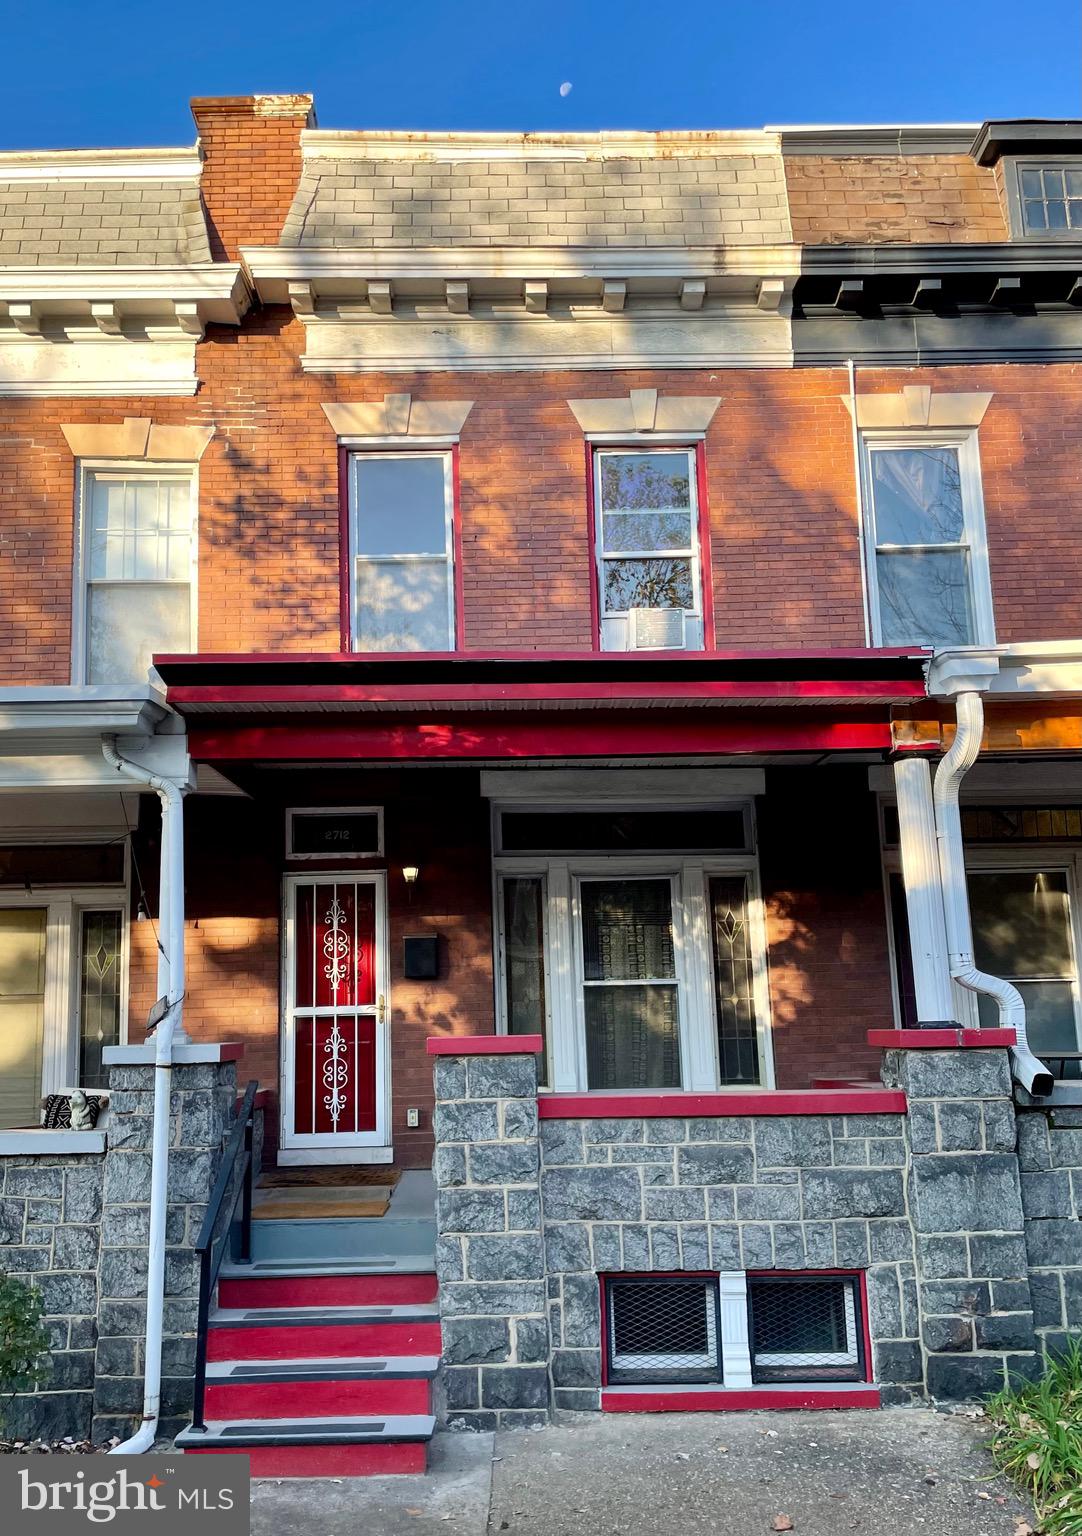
(81, 1117)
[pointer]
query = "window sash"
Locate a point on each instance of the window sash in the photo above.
(689, 551)
(359, 560)
(972, 545)
(91, 540)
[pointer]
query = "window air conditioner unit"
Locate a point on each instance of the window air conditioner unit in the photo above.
(655, 629)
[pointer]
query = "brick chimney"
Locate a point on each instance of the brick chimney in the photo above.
(251, 165)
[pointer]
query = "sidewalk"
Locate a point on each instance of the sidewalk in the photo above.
(896, 1473)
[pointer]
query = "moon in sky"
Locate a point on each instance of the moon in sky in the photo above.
(565, 89)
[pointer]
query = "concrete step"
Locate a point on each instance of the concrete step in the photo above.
(290, 1333)
(243, 1390)
(308, 1289)
(343, 1240)
(347, 1445)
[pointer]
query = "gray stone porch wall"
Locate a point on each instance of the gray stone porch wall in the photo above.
(965, 1284)
(76, 1226)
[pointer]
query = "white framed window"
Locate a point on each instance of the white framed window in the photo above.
(925, 546)
(135, 569)
(401, 539)
(1026, 917)
(642, 970)
(63, 993)
(646, 516)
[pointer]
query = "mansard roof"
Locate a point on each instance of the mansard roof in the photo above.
(400, 190)
(102, 208)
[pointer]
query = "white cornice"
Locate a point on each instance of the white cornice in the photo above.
(1052, 668)
(335, 144)
(218, 288)
(101, 165)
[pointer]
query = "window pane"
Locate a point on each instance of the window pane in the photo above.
(924, 598)
(648, 584)
(524, 958)
(1074, 183)
(1074, 214)
(632, 1037)
(738, 1046)
(627, 932)
(1053, 184)
(140, 529)
(917, 493)
(644, 481)
(1051, 1021)
(1057, 215)
(401, 506)
(1035, 218)
(99, 1003)
(403, 606)
(126, 624)
(22, 1014)
(1031, 184)
(1021, 922)
(647, 530)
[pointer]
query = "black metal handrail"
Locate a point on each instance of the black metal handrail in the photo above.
(236, 1173)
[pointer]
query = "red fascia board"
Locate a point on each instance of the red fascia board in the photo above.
(484, 1045)
(761, 1101)
(491, 735)
(198, 661)
(941, 1039)
(736, 1399)
(421, 694)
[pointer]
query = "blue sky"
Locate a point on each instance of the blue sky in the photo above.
(102, 72)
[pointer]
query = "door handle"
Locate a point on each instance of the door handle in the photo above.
(381, 1009)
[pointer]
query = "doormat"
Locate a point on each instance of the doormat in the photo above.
(329, 1176)
(319, 1205)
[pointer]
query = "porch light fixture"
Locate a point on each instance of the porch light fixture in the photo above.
(410, 873)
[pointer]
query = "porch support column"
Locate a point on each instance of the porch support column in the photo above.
(923, 892)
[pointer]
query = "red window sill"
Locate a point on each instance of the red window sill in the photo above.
(758, 1101)
(734, 1399)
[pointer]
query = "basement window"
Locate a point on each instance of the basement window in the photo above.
(663, 1329)
(805, 1328)
(734, 1329)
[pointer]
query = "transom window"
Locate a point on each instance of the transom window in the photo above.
(647, 535)
(136, 571)
(402, 551)
(640, 970)
(928, 581)
(1050, 197)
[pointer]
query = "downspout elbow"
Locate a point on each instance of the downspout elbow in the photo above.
(960, 757)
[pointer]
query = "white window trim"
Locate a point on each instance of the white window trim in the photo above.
(693, 617)
(566, 1034)
(334, 810)
(976, 538)
(136, 469)
(447, 458)
(62, 1022)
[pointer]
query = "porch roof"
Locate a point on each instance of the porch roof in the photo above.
(285, 706)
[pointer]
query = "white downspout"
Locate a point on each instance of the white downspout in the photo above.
(171, 987)
(963, 752)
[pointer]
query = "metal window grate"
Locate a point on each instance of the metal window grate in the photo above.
(805, 1328)
(663, 1329)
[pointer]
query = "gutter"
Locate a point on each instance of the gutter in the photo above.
(170, 1028)
(962, 754)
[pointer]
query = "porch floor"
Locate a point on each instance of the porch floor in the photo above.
(299, 1234)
